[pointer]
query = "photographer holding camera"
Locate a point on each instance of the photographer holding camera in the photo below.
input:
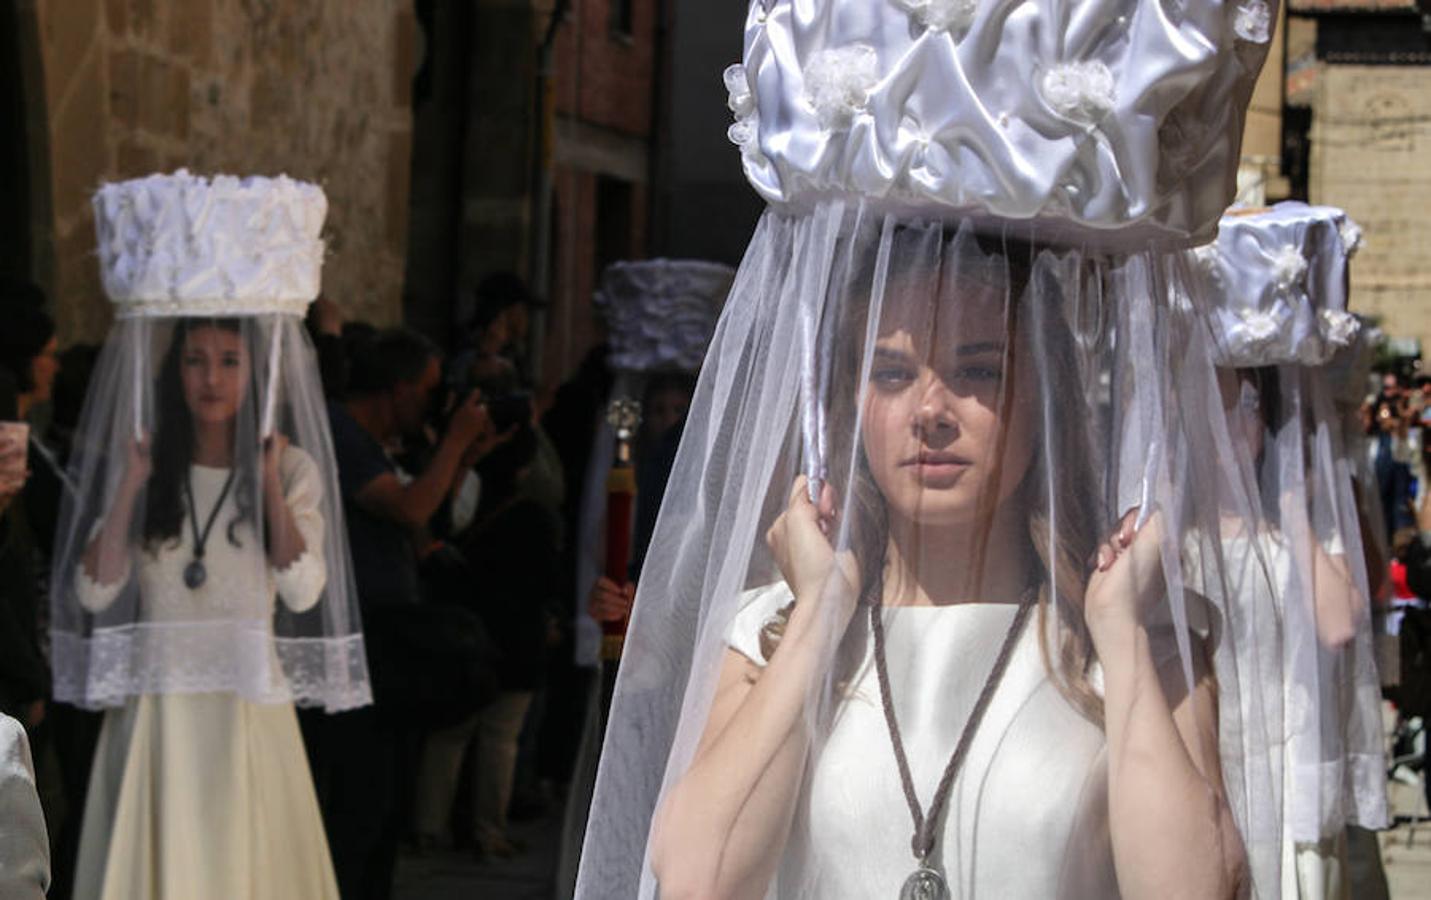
(357, 757)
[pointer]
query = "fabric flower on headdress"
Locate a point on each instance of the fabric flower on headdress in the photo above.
(1351, 237)
(1339, 326)
(1289, 267)
(1080, 91)
(941, 15)
(1210, 262)
(745, 131)
(838, 82)
(1258, 326)
(1253, 22)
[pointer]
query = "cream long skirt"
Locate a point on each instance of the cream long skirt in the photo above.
(202, 796)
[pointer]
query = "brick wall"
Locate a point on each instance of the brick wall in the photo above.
(605, 78)
(317, 89)
(604, 82)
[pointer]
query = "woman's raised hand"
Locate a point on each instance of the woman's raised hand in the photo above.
(138, 462)
(1127, 578)
(800, 541)
(273, 447)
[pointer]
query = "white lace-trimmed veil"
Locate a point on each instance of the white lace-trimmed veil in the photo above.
(182, 254)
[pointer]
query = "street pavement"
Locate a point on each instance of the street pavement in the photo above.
(1406, 849)
(453, 875)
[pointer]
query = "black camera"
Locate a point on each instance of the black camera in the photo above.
(510, 409)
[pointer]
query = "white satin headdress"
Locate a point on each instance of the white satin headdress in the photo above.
(182, 244)
(1277, 285)
(1104, 122)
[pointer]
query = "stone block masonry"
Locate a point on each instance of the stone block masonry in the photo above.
(318, 90)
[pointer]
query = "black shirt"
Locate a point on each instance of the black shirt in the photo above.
(384, 561)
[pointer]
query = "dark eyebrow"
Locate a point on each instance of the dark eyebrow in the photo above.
(979, 347)
(890, 353)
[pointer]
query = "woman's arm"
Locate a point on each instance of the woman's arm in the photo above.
(106, 559)
(292, 502)
(1171, 827)
(1169, 819)
(721, 828)
(285, 539)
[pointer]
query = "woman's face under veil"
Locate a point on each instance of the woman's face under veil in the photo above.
(947, 430)
(214, 369)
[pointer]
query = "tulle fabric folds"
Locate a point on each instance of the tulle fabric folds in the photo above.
(273, 617)
(979, 415)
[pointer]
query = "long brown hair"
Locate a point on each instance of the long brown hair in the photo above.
(1063, 550)
(165, 504)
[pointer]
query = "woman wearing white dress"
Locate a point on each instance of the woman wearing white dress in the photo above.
(201, 586)
(194, 790)
(1090, 770)
(918, 618)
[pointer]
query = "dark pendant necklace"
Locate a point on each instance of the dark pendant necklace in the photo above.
(927, 882)
(195, 573)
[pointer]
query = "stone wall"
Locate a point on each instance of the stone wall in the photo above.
(318, 90)
(1371, 132)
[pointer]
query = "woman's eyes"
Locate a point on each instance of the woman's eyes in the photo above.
(892, 375)
(978, 373)
(228, 362)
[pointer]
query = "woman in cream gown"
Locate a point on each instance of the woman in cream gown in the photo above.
(206, 794)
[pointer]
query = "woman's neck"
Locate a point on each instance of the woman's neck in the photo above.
(214, 445)
(929, 565)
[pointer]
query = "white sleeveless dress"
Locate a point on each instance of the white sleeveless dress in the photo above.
(1028, 814)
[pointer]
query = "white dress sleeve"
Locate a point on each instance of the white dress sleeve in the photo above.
(757, 607)
(301, 582)
(24, 846)
(96, 596)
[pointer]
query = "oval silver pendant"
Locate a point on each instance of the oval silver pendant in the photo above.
(925, 884)
(195, 575)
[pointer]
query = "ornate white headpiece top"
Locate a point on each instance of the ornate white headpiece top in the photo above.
(1277, 285)
(661, 313)
(181, 244)
(1107, 122)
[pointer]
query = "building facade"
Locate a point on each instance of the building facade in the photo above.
(1359, 137)
(108, 89)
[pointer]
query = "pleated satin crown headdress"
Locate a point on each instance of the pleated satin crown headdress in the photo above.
(1113, 121)
(183, 244)
(1277, 285)
(660, 313)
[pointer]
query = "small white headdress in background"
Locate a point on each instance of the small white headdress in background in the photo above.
(661, 313)
(1277, 285)
(184, 244)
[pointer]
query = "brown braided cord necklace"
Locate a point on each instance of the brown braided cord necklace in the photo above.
(927, 883)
